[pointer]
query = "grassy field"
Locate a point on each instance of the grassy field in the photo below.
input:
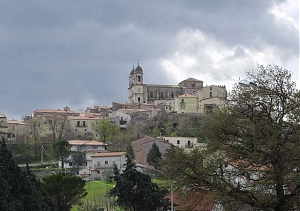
(97, 197)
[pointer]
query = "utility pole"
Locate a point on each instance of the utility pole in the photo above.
(42, 153)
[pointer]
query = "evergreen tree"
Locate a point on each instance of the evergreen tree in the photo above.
(130, 152)
(62, 150)
(65, 190)
(135, 191)
(19, 189)
(154, 155)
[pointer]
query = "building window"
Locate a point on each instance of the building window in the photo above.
(75, 129)
(151, 94)
(83, 123)
(106, 162)
(178, 141)
(98, 164)
(98, 172)
(95, 147)
(161, 95)
(210, 88)
(114, 163)
(172, 95)
(13, 127)
(78, 123)
(189, 143)
(85, 130)
(139, 78)
(182, 107)
(210, 94)
(139, 99)
(182, 100)
(193, 85)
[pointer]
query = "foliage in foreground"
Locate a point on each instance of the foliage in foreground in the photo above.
(258, 135)
(65, 190)
(135, 191)
(19, 189)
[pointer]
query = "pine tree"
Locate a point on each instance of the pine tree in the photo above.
(19, 189)
(135, 191)
(65, 190)
(154, 155)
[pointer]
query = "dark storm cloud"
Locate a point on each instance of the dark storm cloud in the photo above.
(54, 53)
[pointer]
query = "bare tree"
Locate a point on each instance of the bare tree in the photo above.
(58, 125)
(35, 129)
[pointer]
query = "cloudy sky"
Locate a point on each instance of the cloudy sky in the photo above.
(80, 53)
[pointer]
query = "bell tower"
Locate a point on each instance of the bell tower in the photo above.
(136, 87)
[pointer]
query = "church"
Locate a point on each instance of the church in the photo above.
(158, 94)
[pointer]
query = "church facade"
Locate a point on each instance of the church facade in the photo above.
(153, 93)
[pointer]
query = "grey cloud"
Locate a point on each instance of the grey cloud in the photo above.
(53, 52)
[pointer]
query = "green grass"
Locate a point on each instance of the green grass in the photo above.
(96, 197)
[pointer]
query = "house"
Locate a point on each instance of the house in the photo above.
(141, 148)
(16, 130)
(186, 103)
(211, 97)
(103, 164)
(185, 142)
(81, 126)
(88, 147)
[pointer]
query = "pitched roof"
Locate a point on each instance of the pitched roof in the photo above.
(86, 142)
(84, 117)
(108, 154)
(52, 111)
(15, 122)
(190, 79)
(138, 144)
(193, 200)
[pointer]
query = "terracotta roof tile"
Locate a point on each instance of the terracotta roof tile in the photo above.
(108, 154)
(192, 200)
(87, 142)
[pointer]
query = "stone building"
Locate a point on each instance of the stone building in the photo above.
(158, 94)
(208, 96)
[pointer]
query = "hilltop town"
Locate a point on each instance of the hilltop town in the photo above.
(219, 152)
(145, 101)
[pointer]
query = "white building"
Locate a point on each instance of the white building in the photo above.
(103, 164)
(185, 142)
(88, 147)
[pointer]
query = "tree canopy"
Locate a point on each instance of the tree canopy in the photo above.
(135, 191)
(19, 189)
(65, 190)
(258, 136)
(105, 129)
(154, 155)
(62, 150)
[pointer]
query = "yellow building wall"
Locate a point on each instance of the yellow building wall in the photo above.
(186, 104)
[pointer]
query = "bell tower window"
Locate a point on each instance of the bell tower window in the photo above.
(139, 99)
(139, 78)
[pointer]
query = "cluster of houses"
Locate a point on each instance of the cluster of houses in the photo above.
(99, 162)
